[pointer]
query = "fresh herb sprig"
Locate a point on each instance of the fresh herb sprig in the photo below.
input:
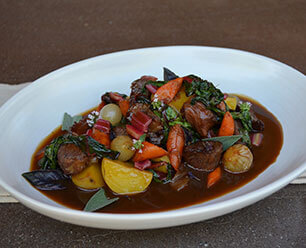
(138, 143)
(204, 92)
(174, 118)
(86, 143)
(244, 115)
(157, 177)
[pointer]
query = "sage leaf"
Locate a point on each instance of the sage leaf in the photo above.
(227, 141)
(169, 75)
(99, 200)
(46, 179)
(68, 121)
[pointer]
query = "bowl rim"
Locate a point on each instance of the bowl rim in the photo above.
(257, 194)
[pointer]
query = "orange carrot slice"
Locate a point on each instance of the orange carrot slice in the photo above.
(175, 145)
(149, 151)
(168, 91)
(213, 177)
(227, 126)
(101, 137)
(124, 106)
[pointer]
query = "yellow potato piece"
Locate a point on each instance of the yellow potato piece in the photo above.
(89, 178)
(231, 102)
(164, 158)
(123, 178)
(162, 168)
(179, 100)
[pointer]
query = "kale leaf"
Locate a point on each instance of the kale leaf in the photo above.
(86, 143)
(204, 92)
(244, 115)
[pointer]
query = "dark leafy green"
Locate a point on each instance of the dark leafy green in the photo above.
(169, 75)
(49, 161)
(46, 179)
(244, 115)
(69, 121)
(157, 177)
(175, 118)
(86, 143)
(204, 92)
(245, 136)
(94, 147)
(227, 141)
(99, 200)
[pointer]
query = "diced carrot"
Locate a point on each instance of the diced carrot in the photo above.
(175, 145)
(124, 106)
(100, 106)
(213, 177)
(168, 91)
(101, 137)
(227, 126)
(149, 151)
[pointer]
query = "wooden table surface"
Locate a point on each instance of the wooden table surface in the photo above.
(37, 37)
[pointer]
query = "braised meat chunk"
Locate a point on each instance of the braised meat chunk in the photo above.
(203, 155)
(71, 159)
(257, 125)
(199, 117)
(137, 89)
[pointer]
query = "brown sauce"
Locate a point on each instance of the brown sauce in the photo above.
(161, 197)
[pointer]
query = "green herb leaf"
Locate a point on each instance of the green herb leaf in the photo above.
(99, 200)
(245, 136)
(171, 113)
(174, 118)
(100, 150)
(204, 92)
(68, 121)
(244, 115)
(85, 143)
(170, 174)
(47, 179)
(227, 141)
(157, 105)
(138, 144)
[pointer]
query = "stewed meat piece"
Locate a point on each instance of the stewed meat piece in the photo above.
(71, 159)
(137, 89)
(203, 155)
(257, 125)
(199, 117)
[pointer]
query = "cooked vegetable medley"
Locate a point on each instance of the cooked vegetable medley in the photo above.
(179, 132)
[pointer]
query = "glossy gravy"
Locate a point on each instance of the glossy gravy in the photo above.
(161, 197)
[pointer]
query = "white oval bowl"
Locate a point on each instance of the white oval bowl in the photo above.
(36, 110)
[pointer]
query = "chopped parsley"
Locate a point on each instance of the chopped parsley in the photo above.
(138, 143)
(204, 92)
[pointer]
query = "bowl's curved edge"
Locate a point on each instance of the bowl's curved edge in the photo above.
(179, 215)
